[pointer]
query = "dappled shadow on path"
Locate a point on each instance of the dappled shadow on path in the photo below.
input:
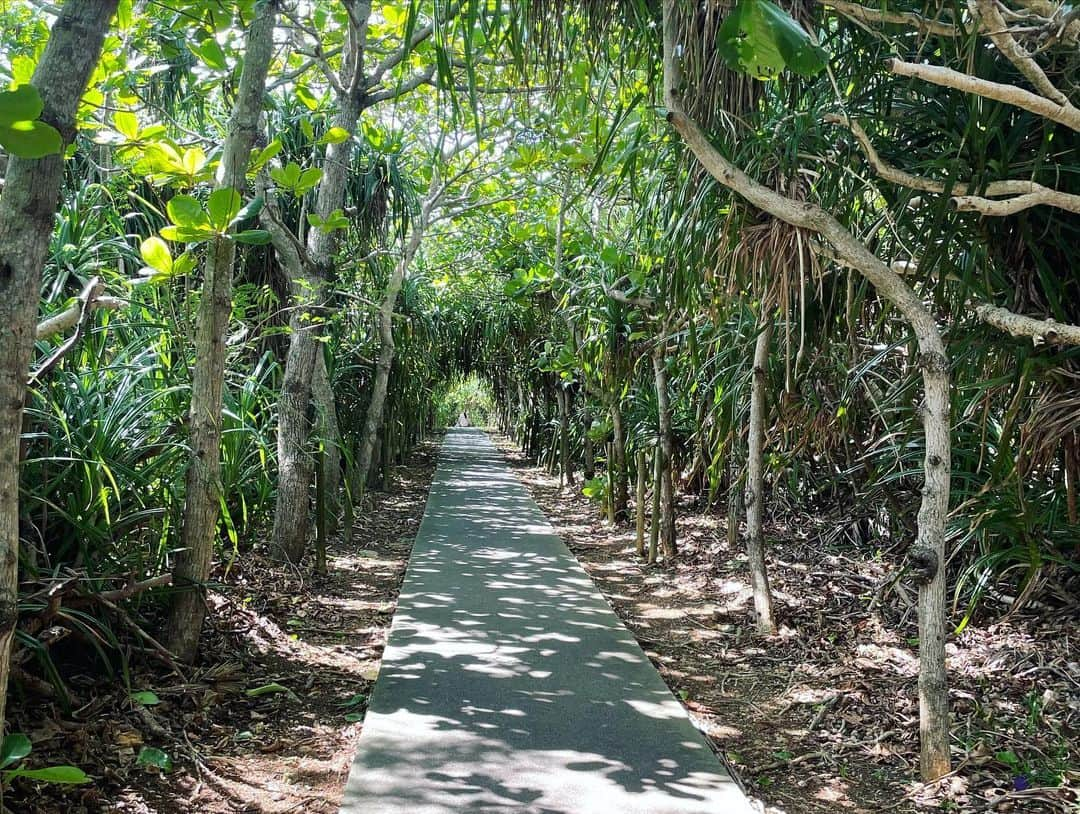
(509, 684)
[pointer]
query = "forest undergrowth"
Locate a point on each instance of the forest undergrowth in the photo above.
(267, 720)
(823, 716)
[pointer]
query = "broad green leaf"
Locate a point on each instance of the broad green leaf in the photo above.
(306, 98)
(186, 211)
(15, 747)
(210, 53)
(308, 179)
(250, 210)
(286, 176)
(264, 155)
(256, 237)
(63, 775)
(761, 39)
(335, 135)
(270, 689)
(184, 234)
(146, 698)
(126, 124)
(307, 130)
(194, 160)
(20, 105)
(30, 139)
(155, 253)
(223, 205)
(149, 756)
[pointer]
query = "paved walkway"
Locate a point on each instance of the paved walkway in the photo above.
(508, 685)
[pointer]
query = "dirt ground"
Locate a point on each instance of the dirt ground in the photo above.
(820, 718)
(823, 717)
(268, 721)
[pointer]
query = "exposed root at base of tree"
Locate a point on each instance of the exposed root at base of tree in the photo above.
(823, 716)
(268, 720)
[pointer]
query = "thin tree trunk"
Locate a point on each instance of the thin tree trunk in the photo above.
(639, 503)
(755, 538)
(667, 450)
(385, 361)
(566, 463)
(929, 549)
(654, 517)
(296, 466)
(622, 486)
(320, 511)
(203, 480)
(589, 464)
(330, 430)
(27, 209)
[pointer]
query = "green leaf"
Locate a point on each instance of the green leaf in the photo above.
(185, 234)
(267, 152)
(269, 689)
(287, 176)
(210, 53)
(223, 206)
(307, 98)
(29, 139)
(255, 237)
(193, 161)
(63, 775)
(155, 253)
(761, 39)
(186, 211)
(250, 210)
(15, 747)
(126, 124)
(146, 698)
(306, 129)
(354, 717)
(308, 179)
(335, 135)
(149, 756)
(20, 105)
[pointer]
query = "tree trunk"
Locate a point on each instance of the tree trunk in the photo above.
(203, 480)
(639, 503)
(589, 464)
(654, 517)
(933, 363)
(296, 466)
(330, 430)
(385, 361)
(566, 464)
(622, 485)
(27, 209)
(755, 538)
(667, 452)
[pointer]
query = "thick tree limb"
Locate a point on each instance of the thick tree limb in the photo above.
(83, 310)
(905, 18)
(995, 27)
(1009, 94)
(1038, 330)
(68, 318)
(1030, 193)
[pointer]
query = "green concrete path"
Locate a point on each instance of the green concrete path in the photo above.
(508, 685)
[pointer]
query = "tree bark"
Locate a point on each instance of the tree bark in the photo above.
(296, 465)
(385, 361)
(639, 503)
(667, 452)
(933, 364)
(203, 479)
(755, 497)
(330, 430)
(566, 464)
(622, 486)
(27, 209)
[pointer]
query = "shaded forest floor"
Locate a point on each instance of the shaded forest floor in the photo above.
(268, 720)
(823, 717)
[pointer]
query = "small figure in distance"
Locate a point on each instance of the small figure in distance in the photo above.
(463, 419)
